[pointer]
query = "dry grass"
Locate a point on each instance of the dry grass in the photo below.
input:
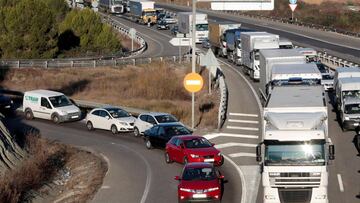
(155, 87)
(39, 168)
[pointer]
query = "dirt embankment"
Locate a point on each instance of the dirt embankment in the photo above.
(46, 171)
(154, 87)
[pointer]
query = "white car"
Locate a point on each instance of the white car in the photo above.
(147, 120)
(110, 118)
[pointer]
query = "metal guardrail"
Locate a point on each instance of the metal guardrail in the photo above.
(334, 62)
(223, 101)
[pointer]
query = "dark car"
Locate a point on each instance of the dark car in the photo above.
(162, 25)
(6, 103)
(174, 30)
(159, 135)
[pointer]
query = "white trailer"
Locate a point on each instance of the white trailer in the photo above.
(285, 43)
(345, 72)
(112, 6)
(347, 94)
(251, 43)
(296, 146)
(202, 26)
(269, 57)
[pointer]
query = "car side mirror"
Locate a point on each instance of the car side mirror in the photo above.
(107, 117)
(212, 144)
(177, 178)
(331, 152)
(221, 177)
(258, 153)
(182, 146)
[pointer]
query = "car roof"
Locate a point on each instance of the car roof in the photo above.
(169, 124)
(198, 165)
(47, 93)
(188, 137)
(155, 113)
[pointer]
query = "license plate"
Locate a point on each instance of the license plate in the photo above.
(208, 160)
(199, 195)
(74, 116)
(356, 124)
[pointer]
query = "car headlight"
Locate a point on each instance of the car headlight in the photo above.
(211, 189)
(11, 102)
(274, 174)
(219, 154)
(194, 156)
(185, 189)
(347, 118)
(123, 123)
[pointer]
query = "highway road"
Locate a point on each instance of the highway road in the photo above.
(241, 133)
(339, 45)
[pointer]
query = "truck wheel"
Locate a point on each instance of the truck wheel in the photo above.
(55, 118)
(28, 114)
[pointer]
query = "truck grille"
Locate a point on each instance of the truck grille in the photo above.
(287, 180)
(295, 196)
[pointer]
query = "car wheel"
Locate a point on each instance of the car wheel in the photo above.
(113, 129)
(148, 144)
(89, 126)
(55, 118)
(185, 160)
(221, 161)
(136, 132)
(28, 114)
(167, 158)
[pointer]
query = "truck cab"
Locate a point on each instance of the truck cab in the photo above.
(149, 16)
(295, 150)
(348, 102)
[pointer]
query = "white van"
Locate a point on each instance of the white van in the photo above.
(49, 105)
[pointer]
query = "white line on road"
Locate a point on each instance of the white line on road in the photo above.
(243, 121)
(234, 144)
(243, 114)
(242, 178)
(105, 187)
(341, 186)
(215, 135)
(242, 154)
(242, 128)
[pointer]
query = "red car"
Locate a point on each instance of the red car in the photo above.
(200, 182)
(187, 149)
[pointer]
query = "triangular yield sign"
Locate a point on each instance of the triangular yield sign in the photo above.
(293, 7)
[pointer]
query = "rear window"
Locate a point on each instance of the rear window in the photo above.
(166, 119)
(199, 174)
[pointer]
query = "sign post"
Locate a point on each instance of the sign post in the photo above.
(132, 33)
(180, 41)
(193, 82)
(293, 6)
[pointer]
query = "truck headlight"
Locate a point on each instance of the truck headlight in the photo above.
(274, 174)
(346, 118)
(270, 197)
(320, 197)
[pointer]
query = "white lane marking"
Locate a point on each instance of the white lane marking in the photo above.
(243, 114)
(341, 186)
(215, 135)
(193, 82)
(251, 180)
(242, 154)
(242, 178)
(234, 144)
(242, 128)
(105, 187)
(242, 121)
(107, 160)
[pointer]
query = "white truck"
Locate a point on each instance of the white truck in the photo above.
(202, 25)
(112, 6)
(347, 98)
(345, 72)
(309, 53)
(295, 150)
(285, 43)
(217, 36)
(269, 57)
(251, 43)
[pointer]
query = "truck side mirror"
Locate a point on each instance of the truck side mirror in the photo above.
(331, 152)
(258, 153)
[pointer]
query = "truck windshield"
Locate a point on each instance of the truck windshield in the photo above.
(352, 109)
(202, 27)
(117, 1)
(352, 94)
(60, 101)
(149, 13)
(294, 153)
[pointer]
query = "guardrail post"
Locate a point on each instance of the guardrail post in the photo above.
(149, 60)
(72, 64)
(94, 62)
(161, 58)
(115, 63)
(18, 64)
(46, 64)
(133, 61)
(174, 57)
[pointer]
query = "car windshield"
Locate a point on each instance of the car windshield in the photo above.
(199, 174)
(294, 153)
(322, 68)
(166, 119)
(118, 113)
(197, 143)
(327, 77)
(60, 101)
(176, 130)
(352, 109)
(202, 27)
(352, 94)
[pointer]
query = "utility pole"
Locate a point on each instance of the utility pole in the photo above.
(193, 67)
